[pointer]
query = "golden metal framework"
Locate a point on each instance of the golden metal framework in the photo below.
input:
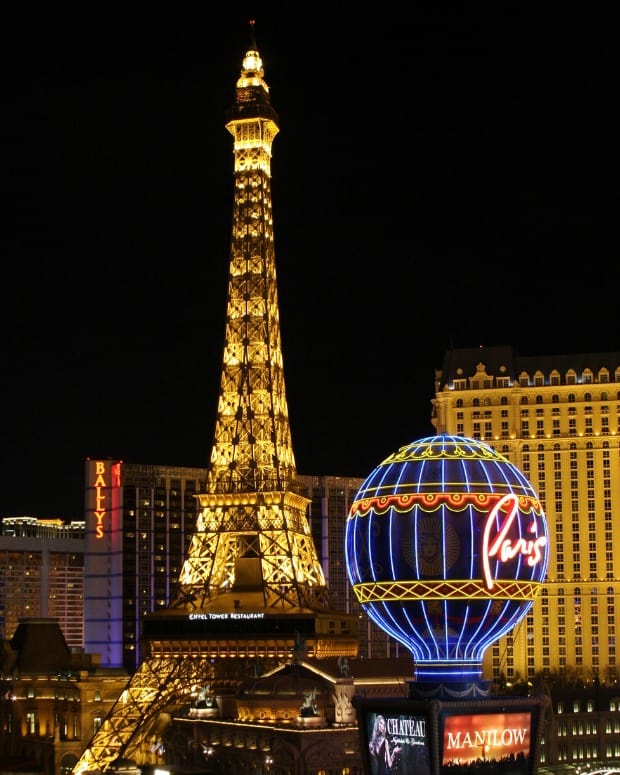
(249, 514)
(252, 547)
(445, 589)
(129, 728)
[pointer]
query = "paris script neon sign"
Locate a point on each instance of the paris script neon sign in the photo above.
(501, 545)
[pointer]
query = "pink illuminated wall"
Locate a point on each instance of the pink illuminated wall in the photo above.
(103, 562)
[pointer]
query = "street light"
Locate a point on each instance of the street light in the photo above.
(268, 763)
(213, 763)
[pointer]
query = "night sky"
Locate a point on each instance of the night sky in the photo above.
(441, 178)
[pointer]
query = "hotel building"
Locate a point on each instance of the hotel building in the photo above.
(139, 521)
(42, 574)
(557, 418)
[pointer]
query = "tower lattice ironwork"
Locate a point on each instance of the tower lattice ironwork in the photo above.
(252, 586)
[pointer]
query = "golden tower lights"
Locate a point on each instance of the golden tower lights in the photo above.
(252, 585)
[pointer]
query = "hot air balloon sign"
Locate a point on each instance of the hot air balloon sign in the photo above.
(447, 548)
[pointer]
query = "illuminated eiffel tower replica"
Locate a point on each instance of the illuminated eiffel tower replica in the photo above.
(251, 587)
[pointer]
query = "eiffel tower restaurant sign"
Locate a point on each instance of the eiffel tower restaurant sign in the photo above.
(232, 615)
(447, 548)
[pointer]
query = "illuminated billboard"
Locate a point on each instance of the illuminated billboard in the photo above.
(397, 737)
(497, 741)
(494, 736)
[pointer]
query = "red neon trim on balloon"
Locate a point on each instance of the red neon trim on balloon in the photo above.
(455, 501)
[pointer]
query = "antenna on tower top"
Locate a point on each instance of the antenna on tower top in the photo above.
(252, 36)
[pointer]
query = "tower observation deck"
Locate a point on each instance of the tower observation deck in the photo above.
(251, 587)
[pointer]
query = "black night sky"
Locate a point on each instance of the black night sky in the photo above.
(443, 176)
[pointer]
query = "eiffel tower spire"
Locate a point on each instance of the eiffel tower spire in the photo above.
(251, 586)
(252, 534)
(252, 449)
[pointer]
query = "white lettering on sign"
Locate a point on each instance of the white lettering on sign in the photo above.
(207, 617)
(487, 737)
(407, 727)
(502, 545)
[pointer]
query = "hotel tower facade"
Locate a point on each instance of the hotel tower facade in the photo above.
(557, 418)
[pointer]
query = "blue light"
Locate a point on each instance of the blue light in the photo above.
(417, 534)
